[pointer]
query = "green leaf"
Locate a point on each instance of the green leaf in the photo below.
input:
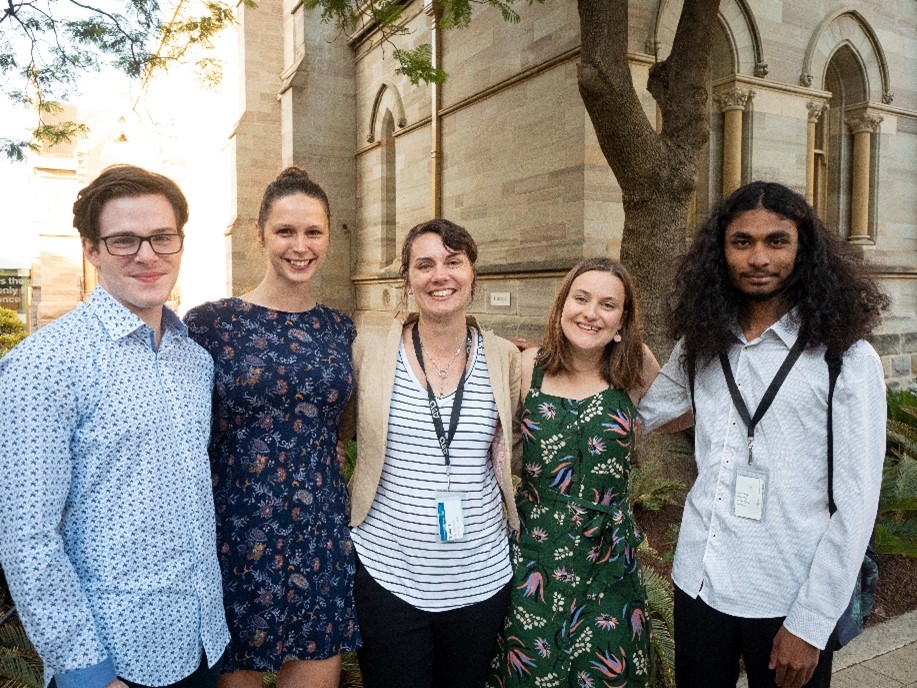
(417, 65)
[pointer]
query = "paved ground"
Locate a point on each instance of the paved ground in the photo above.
(884, 656)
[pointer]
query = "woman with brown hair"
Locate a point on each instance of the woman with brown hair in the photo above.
(283, 374)
(578, 609)
(436, 398)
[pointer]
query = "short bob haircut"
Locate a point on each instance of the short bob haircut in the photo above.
(622, 362)
(124, 181)
(454, 237)
(292, 180)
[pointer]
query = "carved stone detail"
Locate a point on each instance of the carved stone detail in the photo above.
(805, 80)
(888, 97)
(863, 122)
(816, 110)
(733, 99)
(761, 70)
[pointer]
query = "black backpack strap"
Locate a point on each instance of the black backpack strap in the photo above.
(833, 358)
(691, 371)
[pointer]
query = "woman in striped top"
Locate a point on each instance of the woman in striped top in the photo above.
(432, 490)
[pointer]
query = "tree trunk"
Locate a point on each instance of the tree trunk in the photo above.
(657, 173)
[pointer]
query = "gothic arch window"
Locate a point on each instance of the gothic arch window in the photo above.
(386, 118)
(843, 133)
(389, 190)
(736, 49)
(736, 22)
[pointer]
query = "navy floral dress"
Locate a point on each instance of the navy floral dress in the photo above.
(577, 616)
(281, 383)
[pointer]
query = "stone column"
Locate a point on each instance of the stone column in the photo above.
(816, 110)
(862, 126)
(732, 103)
(436, 154)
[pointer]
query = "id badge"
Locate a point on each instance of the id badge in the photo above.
(751, 487)
(450, 519)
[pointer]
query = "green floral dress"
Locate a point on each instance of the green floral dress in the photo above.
(578, 610)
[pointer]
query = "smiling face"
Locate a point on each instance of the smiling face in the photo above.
(760, 249)
(593, 311)
(439, 277)
(142, 282)
(295, 238)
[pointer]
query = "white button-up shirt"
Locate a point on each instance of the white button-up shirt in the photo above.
(797, 561)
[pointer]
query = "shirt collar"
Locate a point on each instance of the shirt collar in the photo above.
(786, 329)
(119, 321)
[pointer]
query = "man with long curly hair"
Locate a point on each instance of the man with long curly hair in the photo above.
(770, 544)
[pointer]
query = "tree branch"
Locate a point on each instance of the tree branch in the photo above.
(607, 89)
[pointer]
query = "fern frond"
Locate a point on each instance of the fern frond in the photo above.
(660, 601)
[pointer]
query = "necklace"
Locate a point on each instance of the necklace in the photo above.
(442, 372)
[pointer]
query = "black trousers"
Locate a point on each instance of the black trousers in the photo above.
(708, 645)
(202, 677)
(405, 647)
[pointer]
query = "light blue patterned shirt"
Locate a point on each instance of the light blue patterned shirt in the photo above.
(107, 530)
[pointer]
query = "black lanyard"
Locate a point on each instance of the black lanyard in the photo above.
(752, 421)
(444, 441)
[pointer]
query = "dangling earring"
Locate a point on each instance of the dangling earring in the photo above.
(616, 338)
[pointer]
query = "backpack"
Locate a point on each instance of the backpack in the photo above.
(852, 621)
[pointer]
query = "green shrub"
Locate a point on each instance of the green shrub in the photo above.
(896, 524)
(12, 331)
(20, 666)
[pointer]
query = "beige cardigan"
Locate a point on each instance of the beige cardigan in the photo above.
(374, 368)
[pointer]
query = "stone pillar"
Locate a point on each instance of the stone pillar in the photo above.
(732, 103)
(862, 126)
(436, 154)
(816, 110)
(255, 143)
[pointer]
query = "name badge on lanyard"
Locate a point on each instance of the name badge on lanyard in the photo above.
(449, 513)
(751, 487)
(751, 483)
(450, 519)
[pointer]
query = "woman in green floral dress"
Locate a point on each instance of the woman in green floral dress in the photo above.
(578, 611)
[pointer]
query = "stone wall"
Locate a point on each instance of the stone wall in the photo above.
(519, 165)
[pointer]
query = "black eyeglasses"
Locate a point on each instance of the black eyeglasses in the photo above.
(129, 244)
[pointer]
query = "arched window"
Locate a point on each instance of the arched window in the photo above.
(843, 133)
(389, 181)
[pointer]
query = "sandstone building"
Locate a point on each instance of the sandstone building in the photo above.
(821, 96)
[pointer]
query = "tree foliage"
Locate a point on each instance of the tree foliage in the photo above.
(46, 45)
(354, 16)
(12, 331)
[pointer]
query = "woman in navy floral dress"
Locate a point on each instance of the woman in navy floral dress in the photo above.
(577, 615)
(283, 375)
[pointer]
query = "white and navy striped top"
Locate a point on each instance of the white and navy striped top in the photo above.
(397, 542)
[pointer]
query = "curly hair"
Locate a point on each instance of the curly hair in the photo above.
(622, 362)
(836, 302)
(124, 181)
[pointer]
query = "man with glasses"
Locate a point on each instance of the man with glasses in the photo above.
(107, 532)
